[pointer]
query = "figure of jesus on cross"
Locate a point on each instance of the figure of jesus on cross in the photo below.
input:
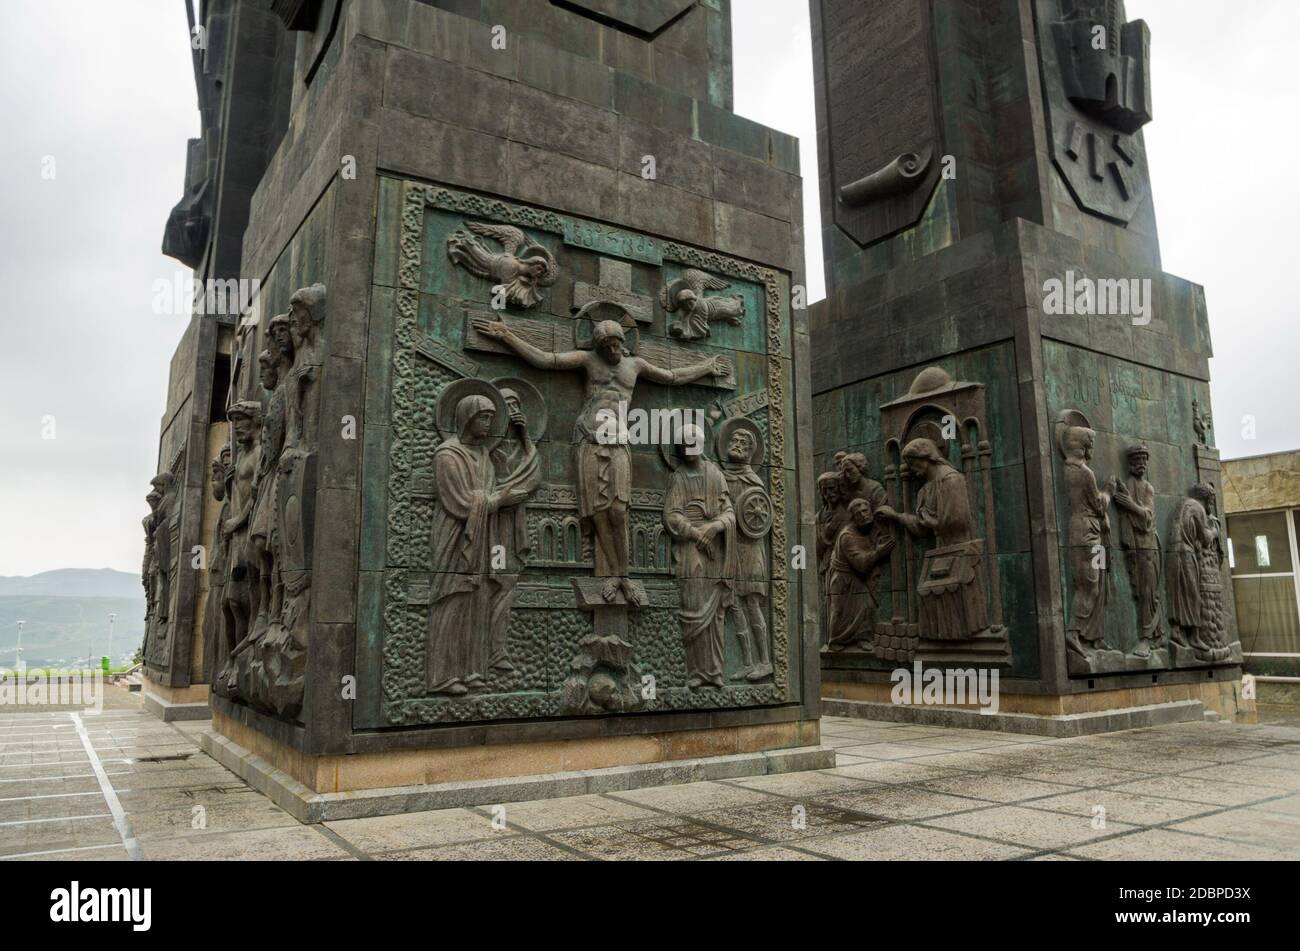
(604, 469)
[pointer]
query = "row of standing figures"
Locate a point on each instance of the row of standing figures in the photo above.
(856, 537)
(1191, 558)
(260, 569)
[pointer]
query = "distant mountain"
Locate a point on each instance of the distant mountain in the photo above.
(74, 583)
(65, 615)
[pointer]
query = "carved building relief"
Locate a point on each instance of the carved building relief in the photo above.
(883, 163)
(699, 516)
(951, 591)
(241, 581)
(480, 491)
(1105, 62)
(1202, 423)
(832, 516)
(1087, 549)
(852, 578)
(221, 487)
(1097, 80)
(852, 548)
(741, 446)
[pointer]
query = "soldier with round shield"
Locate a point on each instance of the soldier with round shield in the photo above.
(740, 444)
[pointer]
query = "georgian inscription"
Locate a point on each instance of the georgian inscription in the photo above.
(606, 240)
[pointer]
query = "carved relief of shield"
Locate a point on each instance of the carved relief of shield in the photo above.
(297, 512)
(754, 512)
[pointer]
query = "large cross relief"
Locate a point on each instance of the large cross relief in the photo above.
(581, 598)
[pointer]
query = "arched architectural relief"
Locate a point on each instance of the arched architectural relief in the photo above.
(940, 491)
(930, 527)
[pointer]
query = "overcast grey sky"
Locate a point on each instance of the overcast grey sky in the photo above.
(106, 90)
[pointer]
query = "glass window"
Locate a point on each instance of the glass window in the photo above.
(1266, 615)
(1260, 543)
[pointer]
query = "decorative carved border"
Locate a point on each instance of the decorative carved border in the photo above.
(408, 339)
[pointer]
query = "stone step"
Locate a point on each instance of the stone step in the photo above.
(1073, 724)
(306, 805)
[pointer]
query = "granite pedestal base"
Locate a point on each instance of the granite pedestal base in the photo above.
(1050, 714)
(322, 788)
(175, 703)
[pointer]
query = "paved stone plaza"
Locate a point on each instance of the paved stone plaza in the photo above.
(1190, 791)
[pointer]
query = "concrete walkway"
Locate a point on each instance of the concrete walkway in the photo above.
(124, 785)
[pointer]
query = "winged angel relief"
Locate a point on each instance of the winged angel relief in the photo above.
(522, 267)
(685, 298)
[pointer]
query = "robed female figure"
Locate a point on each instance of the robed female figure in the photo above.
(466, 597)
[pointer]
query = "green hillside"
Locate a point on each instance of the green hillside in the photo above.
(65, 630)
(74, 583)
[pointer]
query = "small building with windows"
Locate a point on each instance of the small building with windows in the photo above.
(1261, 496)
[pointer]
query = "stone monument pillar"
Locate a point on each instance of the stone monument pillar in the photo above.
(239, 51)
(516, 258)
(1001, 350)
